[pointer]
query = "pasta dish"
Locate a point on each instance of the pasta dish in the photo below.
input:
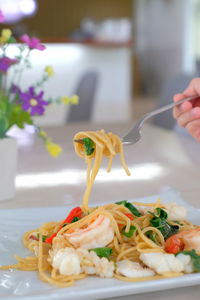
(130, 241)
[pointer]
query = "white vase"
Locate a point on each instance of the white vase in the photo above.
(8, 166)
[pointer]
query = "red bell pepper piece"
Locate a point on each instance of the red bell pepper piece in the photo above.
(130, 216)
(50, 239)
(75, 212)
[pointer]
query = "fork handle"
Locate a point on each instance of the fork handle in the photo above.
(164, 108)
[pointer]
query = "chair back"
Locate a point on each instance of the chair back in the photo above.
(86, 90)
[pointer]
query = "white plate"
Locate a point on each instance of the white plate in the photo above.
(26, 285)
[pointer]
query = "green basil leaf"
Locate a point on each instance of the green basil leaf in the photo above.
(130, 206)
(195, 259)
(161, 213)
(151, 235)
(88, 146)
(165, 228)
(173, 230)
(196, 264)
(133, 209)
(130, 232)
(43, 237)
(102, 252)
(192, 253)
(123, 202)
(75, 219)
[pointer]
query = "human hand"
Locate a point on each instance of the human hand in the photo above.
(188, 113)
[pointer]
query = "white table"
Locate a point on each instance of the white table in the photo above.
(159, 160)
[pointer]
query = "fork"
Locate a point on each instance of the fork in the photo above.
(134, 134)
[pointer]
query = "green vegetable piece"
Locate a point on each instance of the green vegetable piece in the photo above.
(151, 235)
(43, 237)
(192, 253)
(194, 257)
(161, 213)
(88, 146)
(131, 207)
(75, 219)
(102, 252)
(159, 221)
(130, 233)
(123, 202)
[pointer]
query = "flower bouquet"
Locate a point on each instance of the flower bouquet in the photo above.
(17, 106)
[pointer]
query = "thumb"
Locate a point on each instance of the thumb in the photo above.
(193, 88)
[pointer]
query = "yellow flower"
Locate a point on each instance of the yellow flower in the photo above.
(53, 149)
(5, 35)
(49, 70)
(70, 100)
(42, 133)
(75, 100)
(65, 100)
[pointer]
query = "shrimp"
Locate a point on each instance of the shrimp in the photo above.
(175, 212)
(98, 234)
(185, 240)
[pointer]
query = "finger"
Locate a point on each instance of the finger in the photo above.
(185, 118)
(178, 97)
(194, 129)
(193, 87)
(184, 107)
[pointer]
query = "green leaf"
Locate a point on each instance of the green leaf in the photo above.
(88, 146)
(192, 253)
(3, 126)
(43, 237)
(196, 264)
(194, 257)
(102, 252)
(161, 213)
(130, 206)
(133, 209)
(3, 107)
(151, 235)
(159, 221)
(130, 232)
(19, 117)
(75, 219)
(123, 202)
(11, 40)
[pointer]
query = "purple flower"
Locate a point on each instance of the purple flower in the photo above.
(2, 18)
(6, 62)
(32, 43)
(32, 102)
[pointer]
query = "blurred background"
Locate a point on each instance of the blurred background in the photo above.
(122, 57)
